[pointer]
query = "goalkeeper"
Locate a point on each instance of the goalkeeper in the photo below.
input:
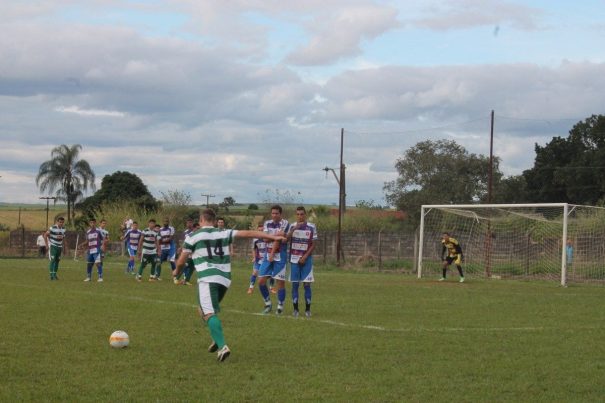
(451, 252)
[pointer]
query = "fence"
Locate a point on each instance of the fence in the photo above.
(372, 250)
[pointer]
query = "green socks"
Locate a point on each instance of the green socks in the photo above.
(216, 331)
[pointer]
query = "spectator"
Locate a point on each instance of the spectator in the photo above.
(41, 245)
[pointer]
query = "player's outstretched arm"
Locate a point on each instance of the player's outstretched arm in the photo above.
(259, 234)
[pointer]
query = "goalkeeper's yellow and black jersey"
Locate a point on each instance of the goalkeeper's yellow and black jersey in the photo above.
(452, 247)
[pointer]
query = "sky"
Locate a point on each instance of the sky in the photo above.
(247, 99)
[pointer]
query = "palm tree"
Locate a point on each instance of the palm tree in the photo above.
(66, 176)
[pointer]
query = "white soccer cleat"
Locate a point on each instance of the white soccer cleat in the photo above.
(100, 280)
(223, 353)
(461, 279)
(87, 279)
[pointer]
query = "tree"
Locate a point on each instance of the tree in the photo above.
(282, 197)
(119, 187)
(66, 175)
(510, 190)
(176, 205)
(368, 205)
(438, 172)
(176, 198)
(227, 202)
(572, 169)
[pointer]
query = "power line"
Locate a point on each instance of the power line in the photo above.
(539, 119)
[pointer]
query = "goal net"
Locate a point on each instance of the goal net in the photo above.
(562, 242)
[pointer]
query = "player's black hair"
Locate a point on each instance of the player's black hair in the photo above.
(277, 207)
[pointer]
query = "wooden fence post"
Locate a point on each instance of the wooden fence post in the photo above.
(22, 239)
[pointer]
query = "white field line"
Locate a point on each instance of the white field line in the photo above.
(326, 321)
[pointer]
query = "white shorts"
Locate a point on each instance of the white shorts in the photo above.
(209, 296)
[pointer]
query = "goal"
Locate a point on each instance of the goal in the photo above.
(554, 241)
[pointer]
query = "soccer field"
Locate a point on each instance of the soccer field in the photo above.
(373, 337)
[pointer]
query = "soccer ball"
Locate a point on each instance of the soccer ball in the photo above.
(119, 339)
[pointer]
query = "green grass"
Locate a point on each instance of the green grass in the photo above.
(373, 337)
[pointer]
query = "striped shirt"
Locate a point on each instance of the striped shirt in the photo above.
(105, 235)
(259, 246)
(166, 237)
(94, 237)
(149, 238)
(104, 232)
(302, 239)
(272, 227)
(209, 249)
(56, 235)
(132, 238)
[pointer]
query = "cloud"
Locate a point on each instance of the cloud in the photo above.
(118, 70)
(223, 97)
(397, 93)
(341, 35)
(89, 112)
(459, 14)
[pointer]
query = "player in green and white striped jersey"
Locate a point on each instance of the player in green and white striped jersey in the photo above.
(54, 244)
(209, 248)
(149, 246)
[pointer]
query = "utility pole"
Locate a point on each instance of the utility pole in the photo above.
(340, 179)
(207, 196)
(48, 199)
(341, 200)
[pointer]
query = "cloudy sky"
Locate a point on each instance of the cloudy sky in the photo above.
(237, 98)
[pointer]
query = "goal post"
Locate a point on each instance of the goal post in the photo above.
(551, 241)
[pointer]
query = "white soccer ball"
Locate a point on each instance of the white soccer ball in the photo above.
(119, 339)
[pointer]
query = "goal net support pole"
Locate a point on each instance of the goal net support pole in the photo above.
(563, 243)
